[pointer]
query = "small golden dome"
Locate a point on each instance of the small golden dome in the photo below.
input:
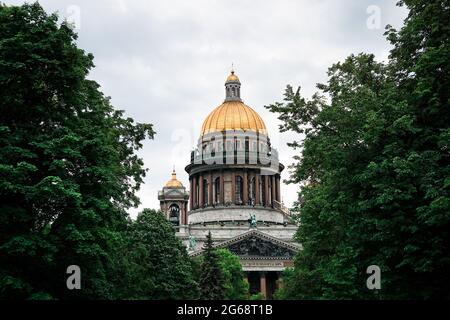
(233, 77)
(174, 183)
(233, 115)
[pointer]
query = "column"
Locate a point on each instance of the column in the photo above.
(272, 177)
(233, 187)
(257, 200)
(266, 190)
(222, 188)
(210, 189)
(194, 192)
(181, 213)
(200, 191)
(263, 283)
(278, 188)
(245, 186)
(191, 195)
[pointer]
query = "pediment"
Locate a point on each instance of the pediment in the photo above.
(174, 193)
(255, 244)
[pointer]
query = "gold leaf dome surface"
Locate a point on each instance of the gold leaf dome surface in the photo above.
(233, 115)
(233, 77)
(174, 183)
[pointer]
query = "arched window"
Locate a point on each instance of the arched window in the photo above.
(252, 191)
(239, 192)
(234, 91)
(205, 192)
(174, 214)
(217, 190)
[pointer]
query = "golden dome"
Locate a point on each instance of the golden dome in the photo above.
(233, 115)
(233, 77)
(174, 183)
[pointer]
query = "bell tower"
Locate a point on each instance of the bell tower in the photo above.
(173, 199)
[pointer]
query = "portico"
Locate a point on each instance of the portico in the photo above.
(263, 259)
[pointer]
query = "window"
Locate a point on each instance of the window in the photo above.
(174, 214)
(252, 191)
(237, 144)
(217, 190)
(205, 192)
(261, 189)
(239, 192)
(270, 191)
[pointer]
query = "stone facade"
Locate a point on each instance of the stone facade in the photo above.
(234, 183)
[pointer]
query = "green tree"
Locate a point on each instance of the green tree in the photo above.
(288, 276)
(68, 168)
(212, 281)
(236, 286)
(159, 266)
(374, 168)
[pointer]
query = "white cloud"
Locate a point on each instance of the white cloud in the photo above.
(165, 62)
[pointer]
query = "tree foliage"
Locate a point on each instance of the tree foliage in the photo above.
(158, 264)
(68, 168)
(374, 168)
(211, 279)
(236, 287)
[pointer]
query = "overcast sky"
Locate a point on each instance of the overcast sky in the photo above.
(165, 62)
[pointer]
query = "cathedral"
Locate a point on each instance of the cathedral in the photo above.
(234, 193)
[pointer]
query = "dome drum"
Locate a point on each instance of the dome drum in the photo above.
(261, 160)
(234, 164)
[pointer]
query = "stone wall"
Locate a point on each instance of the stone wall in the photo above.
(238, 213)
